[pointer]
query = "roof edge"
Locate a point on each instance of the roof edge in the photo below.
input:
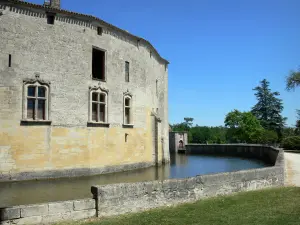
(66, 12)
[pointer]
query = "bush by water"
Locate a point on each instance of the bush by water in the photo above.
(291, 143)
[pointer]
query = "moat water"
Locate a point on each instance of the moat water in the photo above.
(181, 166)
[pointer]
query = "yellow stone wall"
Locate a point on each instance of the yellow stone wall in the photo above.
(43, 148)
(61, 54)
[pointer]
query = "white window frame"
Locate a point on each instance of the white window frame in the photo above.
(36, 83)
(99, 91)
(130, 110)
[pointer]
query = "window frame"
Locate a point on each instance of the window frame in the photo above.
(127, 96)
(36, 83)
(127, 73)
(99, 91)
(99, 30)
(105, 63)
(156, 87)
(50, 18)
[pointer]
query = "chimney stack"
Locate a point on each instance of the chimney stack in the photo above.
(52, 3)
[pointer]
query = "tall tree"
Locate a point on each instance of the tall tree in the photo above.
(268, 108)
(293, 80)
(184, 126)
(188, 121)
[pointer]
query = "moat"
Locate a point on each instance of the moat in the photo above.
(181, 166)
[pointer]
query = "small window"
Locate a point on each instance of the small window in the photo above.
(98, 67)
(127, 110)
(50, 19)
(9, 60)
(99, 107)
(127, 71)
(99, 30)
(36, 102)
(127, 101)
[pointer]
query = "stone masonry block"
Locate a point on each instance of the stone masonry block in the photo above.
(28, 220)
(84, 204)
(84, 214)
(60, 207)
(34, 210)
(57, 217)
(9, 213)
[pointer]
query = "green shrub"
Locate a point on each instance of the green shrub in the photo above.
(291, 143)
(268, 137)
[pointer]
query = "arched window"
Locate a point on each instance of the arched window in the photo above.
(128, 110)
(98, 106)
(36, 101)
(180, 144)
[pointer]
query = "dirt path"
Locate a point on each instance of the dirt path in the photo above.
(292, 164)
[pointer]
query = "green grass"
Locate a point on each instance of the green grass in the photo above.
(269, 207)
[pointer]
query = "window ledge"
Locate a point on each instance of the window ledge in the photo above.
(97, 124)
(127, 125)
(101, 80)
(36, 122)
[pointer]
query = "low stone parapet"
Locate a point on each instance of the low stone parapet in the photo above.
(268, 154)
(118, 199)
(48, 212)
(115, 199)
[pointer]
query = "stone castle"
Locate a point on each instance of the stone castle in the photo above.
(78, 96)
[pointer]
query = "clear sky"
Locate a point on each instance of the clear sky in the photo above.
(218, 49)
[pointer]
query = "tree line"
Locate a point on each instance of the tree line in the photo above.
(263, 124)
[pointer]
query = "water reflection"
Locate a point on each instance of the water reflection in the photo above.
(30, 192)
(193, 165)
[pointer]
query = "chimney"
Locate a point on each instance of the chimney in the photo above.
(52, 3)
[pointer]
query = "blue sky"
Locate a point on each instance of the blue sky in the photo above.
(218, 49)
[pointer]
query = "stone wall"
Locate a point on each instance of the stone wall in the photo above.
(61, 54)
(268, 154)
(115, 199)
(49, 212)
(124, 198)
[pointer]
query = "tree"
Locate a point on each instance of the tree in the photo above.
(184, 126)
(243, 127)
(201, 134)
(268, 137)
(205, 134)
(297, 130)
(293, 80)
(180, 127)
(188, 121)
(269, 107)
(288, 132)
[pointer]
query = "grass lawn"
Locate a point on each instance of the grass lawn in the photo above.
(271, 206)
